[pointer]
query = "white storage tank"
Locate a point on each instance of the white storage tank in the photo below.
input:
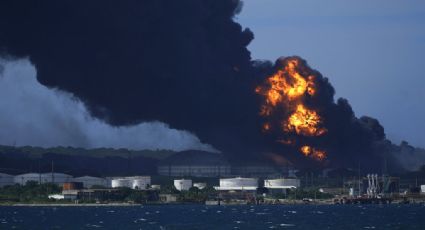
(89, 181)
(6, 179)
(200, 185)
(183, 184)
(282, 183)
(121, 182)
(141, 182)
(22, 179)
(238, 183)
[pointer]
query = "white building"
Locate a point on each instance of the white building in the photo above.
(183, 184)
(89, 181)
(237, 183)
(423, 188)
(200, 185)
(22, 179)
(137, 182)
(282, 183)
(6, 179)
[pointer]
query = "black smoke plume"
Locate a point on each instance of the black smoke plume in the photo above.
(183, 62)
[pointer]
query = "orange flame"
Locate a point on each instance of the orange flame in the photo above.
(305, 122)
(289, 87)
(313, 153)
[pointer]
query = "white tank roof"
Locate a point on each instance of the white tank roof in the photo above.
(238, 183)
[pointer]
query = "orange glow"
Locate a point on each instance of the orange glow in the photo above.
(305, 122)
(266, 127)
(287, 90)
(306, 150)
(313, 153)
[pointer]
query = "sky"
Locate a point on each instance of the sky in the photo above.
(32, 114)
(371, 51)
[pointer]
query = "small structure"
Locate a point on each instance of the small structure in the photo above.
(6, 179)
(89, 181)
(156, 187)
(167, 198)
(238, 183)
(70, 194)
(183, 184)
(200, 185)
(56, 196)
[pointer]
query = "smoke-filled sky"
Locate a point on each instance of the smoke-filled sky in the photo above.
(188, 64)
(371, 51)
(32, 114)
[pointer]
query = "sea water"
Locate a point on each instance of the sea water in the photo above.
(216, 217)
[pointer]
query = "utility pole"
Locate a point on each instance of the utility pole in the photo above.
(359, 179)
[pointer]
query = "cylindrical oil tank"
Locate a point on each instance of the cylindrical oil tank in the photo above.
(239, 182)
(142, 182)
(200, 185)
(282, 182)
(183, 184)
(121, 182)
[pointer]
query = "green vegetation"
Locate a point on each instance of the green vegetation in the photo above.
(30, 193)
(195, 195)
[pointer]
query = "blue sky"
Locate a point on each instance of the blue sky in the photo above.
(372, 51)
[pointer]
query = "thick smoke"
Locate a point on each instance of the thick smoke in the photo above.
(185, 63)
(32, 114)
